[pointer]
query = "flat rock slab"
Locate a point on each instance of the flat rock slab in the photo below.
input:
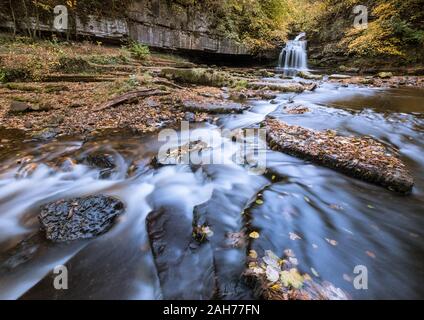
(79, 218)
(181, 261)
(20, 107)
(276, 86)
(359, 157)
(339, 77)
(213, 107)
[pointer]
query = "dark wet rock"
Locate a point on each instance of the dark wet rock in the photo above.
(189, 116)
(276, 86)
(79, 218)
(359, 157)
(215, 107)
(103, 161)
(312, 87)
(46, 134)
(20, 254)
(228, 234)
(181, 261)
(198, 76)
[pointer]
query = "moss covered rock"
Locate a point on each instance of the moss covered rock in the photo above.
(385, 75)
(199, 76)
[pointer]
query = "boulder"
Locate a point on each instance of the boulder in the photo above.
(198, 76)
(189, 116)
(19, 107)
(79, 218)
(385, 75)
(309, 76)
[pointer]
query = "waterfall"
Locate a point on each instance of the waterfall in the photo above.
(293, 57)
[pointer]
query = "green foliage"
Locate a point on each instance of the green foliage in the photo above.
(109, 59)
(14, 74)
(261, 25)
(3, 76)
(139, 51)
(73, 65)
(241, 84)
(394, 30)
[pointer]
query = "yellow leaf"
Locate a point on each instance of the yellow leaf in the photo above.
(254, 235)
(253, 254)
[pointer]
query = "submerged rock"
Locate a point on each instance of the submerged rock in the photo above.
(273, 278)
(79, 218)
(46, 134)
(100, 160)
(360, 157)
(181, 261)
(103, 161)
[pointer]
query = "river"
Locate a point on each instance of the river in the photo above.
(340, 222)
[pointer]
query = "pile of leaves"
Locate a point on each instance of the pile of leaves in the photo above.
(296, 109)
(361, 157)
(279, 279)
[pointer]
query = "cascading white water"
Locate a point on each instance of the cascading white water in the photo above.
(293, 57)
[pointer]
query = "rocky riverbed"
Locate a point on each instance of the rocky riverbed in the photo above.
(80, 182)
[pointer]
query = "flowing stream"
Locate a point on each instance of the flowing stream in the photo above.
(367, 225)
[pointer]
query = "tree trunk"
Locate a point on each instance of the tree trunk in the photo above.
(13, 17)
